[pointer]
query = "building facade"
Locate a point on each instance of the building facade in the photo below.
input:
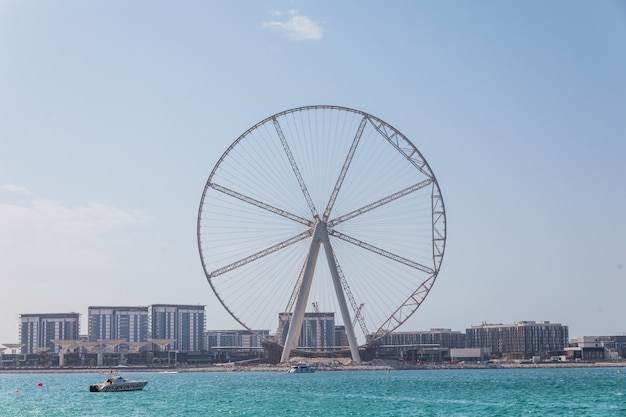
(318, 332)
(616, 344)
(444, 338)
(182, 323)
(118, 323)
(235, 339)
(420, 346)
(597, 348)
(522, 340)
(37, 331)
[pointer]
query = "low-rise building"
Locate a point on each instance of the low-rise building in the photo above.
(445, 338)
(421, 346)
(616, 345)
(235, 339)
(470, 354)
(522, 340)
(596, 348)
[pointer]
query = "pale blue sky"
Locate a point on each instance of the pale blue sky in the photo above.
(113, 114)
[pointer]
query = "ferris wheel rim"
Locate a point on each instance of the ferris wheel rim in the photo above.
(441, 229)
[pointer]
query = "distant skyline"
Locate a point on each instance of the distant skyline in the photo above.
(113, 114)
(84, 328)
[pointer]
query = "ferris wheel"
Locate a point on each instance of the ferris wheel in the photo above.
(321, 228)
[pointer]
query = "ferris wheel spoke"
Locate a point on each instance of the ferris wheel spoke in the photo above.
(261, 254)
(294, 167)
(381, 252)
(294, 292)
(381, 202)
(344, 169)
(261, 205)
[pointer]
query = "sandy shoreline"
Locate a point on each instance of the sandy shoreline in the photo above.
(376, 365)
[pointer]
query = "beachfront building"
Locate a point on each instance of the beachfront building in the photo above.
(444, 338)
(469, 355)
(341, 337)
(615, 344)
(235, 345)
(235, 339)
(424, 346)
(37, 331)
(597, 348)
(586, 348)
(183, 324)
(117, 324)
(522, 340)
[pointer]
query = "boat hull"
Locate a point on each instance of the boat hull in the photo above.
(117, 386)
(301, 369)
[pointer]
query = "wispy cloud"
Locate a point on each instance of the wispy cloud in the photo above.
(38, 233)
(15, 189)
(51, 251)
(295, 26)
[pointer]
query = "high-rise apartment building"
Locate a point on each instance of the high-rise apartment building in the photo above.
(115, 323)
(521, 340)
(38, 330)
(318, 331)
(184, 323)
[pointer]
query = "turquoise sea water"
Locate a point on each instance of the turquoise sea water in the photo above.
(460, 392)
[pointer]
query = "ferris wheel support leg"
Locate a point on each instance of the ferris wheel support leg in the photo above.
(293, 334)
(343, 306)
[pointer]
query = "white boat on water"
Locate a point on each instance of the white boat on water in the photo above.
(301, 368)
(118, 384)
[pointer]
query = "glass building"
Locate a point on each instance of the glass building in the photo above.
(244, 339)
(115, 323)
(521, 340)
(38, 330)
(318, 331)
(182, 323)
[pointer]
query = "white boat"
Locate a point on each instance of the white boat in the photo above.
(301, 368)
(118, 384)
